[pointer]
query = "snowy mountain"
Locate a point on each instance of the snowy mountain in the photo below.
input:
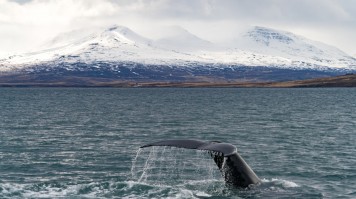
(299, 51)
(261, 46)
(114, 44)
(119, 53)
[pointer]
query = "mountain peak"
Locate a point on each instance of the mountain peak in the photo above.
(267, 35)
(124, 34)
(122, 29)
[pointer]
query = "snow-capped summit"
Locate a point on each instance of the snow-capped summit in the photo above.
(300, 51)
(268, 36)
(124, 34)
(82, 35)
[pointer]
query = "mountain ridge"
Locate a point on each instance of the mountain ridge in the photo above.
(118, 52)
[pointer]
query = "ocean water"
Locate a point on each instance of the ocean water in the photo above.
(84, 142)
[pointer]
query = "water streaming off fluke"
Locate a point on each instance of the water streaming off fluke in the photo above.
(174, 166)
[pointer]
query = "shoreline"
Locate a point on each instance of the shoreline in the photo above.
(348, 80)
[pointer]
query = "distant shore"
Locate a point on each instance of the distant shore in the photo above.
(348, 80)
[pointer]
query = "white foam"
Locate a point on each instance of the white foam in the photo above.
(283, 183)
(50, 191)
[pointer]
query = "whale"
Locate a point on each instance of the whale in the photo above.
(236, 172)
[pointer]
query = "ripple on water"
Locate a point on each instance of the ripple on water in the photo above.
(65, 142)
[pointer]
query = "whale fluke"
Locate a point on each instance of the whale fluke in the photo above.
(234, 169)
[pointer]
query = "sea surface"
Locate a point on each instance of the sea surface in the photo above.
(84, 142)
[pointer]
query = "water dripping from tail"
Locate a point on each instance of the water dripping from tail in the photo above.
(166, 166)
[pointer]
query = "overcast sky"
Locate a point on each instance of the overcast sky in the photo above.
(26, 24)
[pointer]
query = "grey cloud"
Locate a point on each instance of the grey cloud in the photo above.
(207, 18)
(282, 11)
(21, 1)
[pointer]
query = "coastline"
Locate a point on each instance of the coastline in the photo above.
(348, 80)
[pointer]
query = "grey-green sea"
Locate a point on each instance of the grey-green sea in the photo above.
(85, 142)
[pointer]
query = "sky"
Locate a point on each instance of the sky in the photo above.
(25, 25)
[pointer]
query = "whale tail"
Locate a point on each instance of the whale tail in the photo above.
(234, 169)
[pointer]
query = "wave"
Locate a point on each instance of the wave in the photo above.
(126, 189)
(269, 188)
